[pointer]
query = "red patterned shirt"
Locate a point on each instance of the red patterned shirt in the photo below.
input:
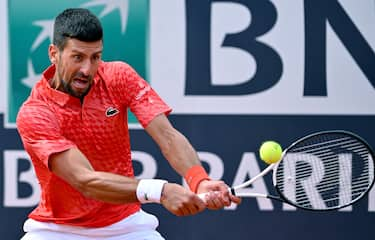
(51, 121)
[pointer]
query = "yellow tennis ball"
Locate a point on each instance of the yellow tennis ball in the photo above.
(270, 152)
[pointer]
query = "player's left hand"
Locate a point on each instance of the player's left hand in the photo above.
(218, 195)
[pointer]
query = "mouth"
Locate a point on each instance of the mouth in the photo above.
(80, 83)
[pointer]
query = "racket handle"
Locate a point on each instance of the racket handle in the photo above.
(203, 195)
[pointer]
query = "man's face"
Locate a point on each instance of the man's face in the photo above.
(76, 65)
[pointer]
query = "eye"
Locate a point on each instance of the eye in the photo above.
(77, 58)
(96, 57)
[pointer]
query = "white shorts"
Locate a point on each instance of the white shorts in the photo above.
(139, 226)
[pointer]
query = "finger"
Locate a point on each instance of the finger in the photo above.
(199, 203)
(191, 209)
(194, 209)
(193, 205)
(226, 198)
(215, 200)
(235, 199)
(183, 211)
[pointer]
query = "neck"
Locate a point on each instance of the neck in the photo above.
(55, 84)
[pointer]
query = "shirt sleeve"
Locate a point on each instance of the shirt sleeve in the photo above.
(40, 132)
(142, 99)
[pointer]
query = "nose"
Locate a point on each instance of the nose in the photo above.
(86, 68)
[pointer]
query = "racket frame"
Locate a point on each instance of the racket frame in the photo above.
(360, 139)
(274, 167)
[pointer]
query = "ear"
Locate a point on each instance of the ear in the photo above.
(53, 52)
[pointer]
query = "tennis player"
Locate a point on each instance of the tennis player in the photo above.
(73, 126)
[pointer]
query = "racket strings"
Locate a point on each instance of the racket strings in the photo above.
(306, 202)
(328, 145)
(330, 170)
(325, 171)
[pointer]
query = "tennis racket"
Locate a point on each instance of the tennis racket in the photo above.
(323, 171)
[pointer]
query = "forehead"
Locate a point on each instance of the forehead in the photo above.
(74, 45)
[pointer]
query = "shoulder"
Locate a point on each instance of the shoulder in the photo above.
(118, 75)
(114, 68)
(34, 113)
(36, 102)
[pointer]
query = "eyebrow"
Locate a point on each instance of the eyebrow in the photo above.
(77, 51)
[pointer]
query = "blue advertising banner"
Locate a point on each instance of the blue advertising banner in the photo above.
(236, 73)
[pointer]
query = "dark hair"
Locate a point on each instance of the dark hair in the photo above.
(78, 23)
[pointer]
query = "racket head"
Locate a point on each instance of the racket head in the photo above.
(324, 171)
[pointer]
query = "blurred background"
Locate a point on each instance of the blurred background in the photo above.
(236, 73)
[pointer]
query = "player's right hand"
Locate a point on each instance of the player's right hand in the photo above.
(216, 194)
(181, 201)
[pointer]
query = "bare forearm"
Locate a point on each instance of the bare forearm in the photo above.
(174, 146)
(179, 152)
(72, 166)
(109, 187)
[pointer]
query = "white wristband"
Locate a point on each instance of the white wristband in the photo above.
(149, 190)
